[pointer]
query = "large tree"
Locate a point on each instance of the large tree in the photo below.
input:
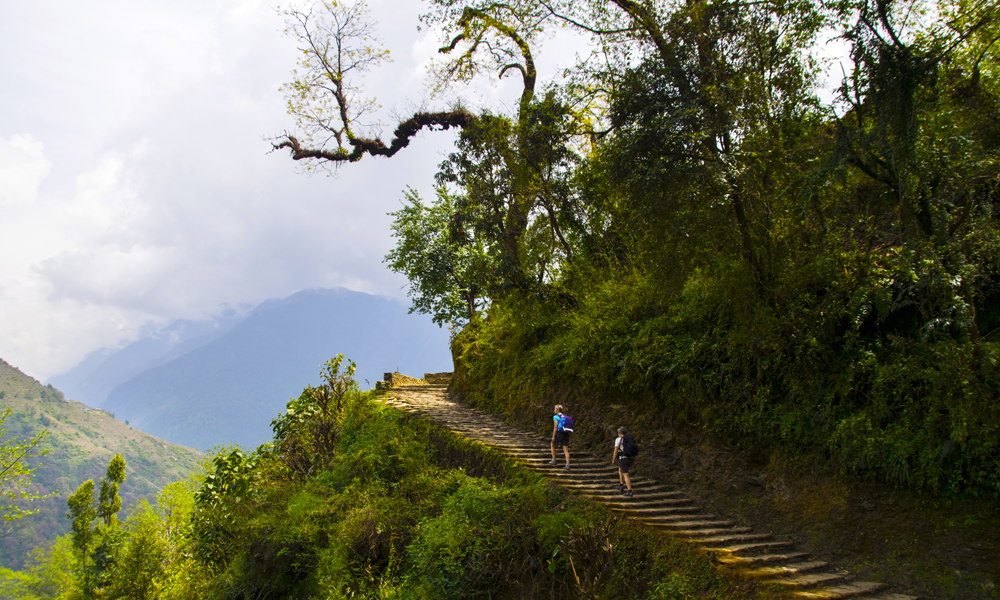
(510, 173)
(447, 263)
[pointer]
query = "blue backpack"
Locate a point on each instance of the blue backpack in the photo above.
(567, 423)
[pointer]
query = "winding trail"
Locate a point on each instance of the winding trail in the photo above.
(753, 554)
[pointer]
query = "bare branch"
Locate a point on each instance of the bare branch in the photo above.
(471, 16)
(583, 26)
(509, 67)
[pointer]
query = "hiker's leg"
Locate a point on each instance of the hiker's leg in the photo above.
(566, 452)
(553, 451)
(625, 463)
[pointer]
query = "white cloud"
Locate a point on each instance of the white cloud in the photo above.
(154, 196)
(23, 166)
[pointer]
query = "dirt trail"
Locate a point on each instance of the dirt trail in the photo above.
(754, 554)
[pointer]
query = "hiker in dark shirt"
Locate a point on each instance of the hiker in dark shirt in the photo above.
(560, 437)
(624, 462)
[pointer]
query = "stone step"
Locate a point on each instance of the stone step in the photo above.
(610, 484)
(668, 495)
(580, 468)
(674, 518)
(788, 569)
(610, 493)
(493, 430)
(851, 589)
(544, 455)
(730, 539)
(805, 581)
(575, 468)
(622, 507)
(695, 534)
(638, 489)
(591, 475)
(501, 434)
(544, 459)
(611, 479)
(672, 522)
(419, 386)
(754, 546)
(761, 559)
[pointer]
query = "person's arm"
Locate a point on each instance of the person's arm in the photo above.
(555, 428)
(614, 451)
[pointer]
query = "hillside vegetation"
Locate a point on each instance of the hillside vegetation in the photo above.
(353, 499)
(81, 442)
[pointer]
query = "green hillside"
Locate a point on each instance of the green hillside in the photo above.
(357, 499)
(81, 441)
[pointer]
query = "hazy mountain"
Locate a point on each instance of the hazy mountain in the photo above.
(228, 390)
(81, 442)
(102, 370)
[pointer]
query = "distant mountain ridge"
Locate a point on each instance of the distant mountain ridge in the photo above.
(81, 442)
(102, 370)
(228, 390)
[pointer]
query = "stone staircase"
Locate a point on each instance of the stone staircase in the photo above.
(752, 554)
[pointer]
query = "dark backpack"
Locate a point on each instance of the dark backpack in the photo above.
(567, 423)
(629, 447)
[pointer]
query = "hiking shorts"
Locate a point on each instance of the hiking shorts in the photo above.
(624, 462)
(562, 438)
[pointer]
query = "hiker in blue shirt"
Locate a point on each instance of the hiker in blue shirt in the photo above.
(560, 435)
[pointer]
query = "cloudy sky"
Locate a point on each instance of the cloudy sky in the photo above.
(136, 185)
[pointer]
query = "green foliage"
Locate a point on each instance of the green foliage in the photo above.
(480, 542)
(384, 516)
(109, 503)
(140, 560)
(894, 408)
(221, 504)
(97, 547)
(16, 474)
(82, 513)
(756, 267)
(80, 443)
(49, 573)
(306, 435)
(449, 268)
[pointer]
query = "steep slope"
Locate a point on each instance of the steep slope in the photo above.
(103, 369)
(81, 442)
(229, 390)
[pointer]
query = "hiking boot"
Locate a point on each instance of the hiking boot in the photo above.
(566, 468)
(627, 493)
(552, 462)
(621, 487)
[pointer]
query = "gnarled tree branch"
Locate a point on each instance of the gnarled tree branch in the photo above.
(405, 131)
